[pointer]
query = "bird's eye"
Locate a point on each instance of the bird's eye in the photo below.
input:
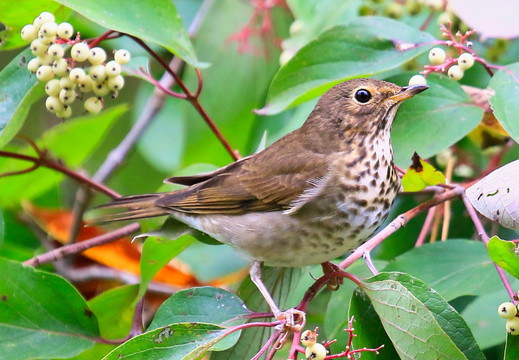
(362, 96)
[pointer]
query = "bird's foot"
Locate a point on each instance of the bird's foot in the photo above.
(293, 320)
(334, 282)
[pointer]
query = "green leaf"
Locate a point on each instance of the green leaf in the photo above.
(511, 347)
(15, 17)
(432, 328)
(207, 305)
(42, 315)
(156, 253)
(280, 282)
(363, 47)
(18, 91)
(504, 254)
(184, 341)
(368, 329)
(67, 142)
(444, 110)
(2, 228)
(450, 274)
(155, 21)
(505, 83)
(114, 310)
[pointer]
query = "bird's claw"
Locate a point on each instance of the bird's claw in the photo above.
(288, 317)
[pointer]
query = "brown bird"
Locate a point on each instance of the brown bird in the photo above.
(313, 195)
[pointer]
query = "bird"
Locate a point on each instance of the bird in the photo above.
(312, 196)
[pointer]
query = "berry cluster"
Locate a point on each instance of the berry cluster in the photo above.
(65, 81)
(441, 63)
(508, 311)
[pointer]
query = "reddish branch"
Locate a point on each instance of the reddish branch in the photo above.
(44, 160)
(192, 98)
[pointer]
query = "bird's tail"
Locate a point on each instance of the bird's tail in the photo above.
(135, 207)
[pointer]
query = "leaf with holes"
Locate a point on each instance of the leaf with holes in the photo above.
(496, 196)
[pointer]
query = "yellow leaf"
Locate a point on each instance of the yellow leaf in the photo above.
(420, 175)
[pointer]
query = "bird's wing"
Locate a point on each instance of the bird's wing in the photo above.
(266, 181)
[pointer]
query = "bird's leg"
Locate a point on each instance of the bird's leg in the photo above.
(288, 315)
(334, 282)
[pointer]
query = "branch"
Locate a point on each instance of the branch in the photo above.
(44, 160)
(79, 247)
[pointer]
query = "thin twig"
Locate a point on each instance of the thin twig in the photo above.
(426, 227)
(79, 247)
(484, 237)
(447, 204)
(51, 164)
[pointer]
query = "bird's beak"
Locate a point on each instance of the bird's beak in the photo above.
(407, 91)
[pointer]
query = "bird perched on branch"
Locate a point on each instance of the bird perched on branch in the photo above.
(314, 195)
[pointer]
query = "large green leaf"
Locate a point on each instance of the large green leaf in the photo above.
(186, 341)
(18, 91)
(42, 315)
(450, 274)
(206, 304)
(71, 142)
(156, 21)
(433, 120)
(512, 347)
(505, 83)
(369, 332)
(16, 16)
(504, 254)
(363, 47)
(419, 322)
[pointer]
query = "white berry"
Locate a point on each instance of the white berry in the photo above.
(65, 113)
(417, 80)
(455, 72)
(44, 59)
(67, 97)
(465, 61)
(308, 338)
(53, 104)
(507, 310)
(97, 56)
(86, 85)
(97, 73)
(44, 73)
(93, 105)
(29, 32)
(115, 83)
(512, 326)
(33, 65)
(56, 51)
(80, 51)
(49, 29)
(65, 30)
(100, 89)
(122, 56)
(316, 352)
(437, 56)
(43, 18)
(52, 87)
(66, 83)
(38, 47)
(77, 75)
(112, 68)
(61, 67)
